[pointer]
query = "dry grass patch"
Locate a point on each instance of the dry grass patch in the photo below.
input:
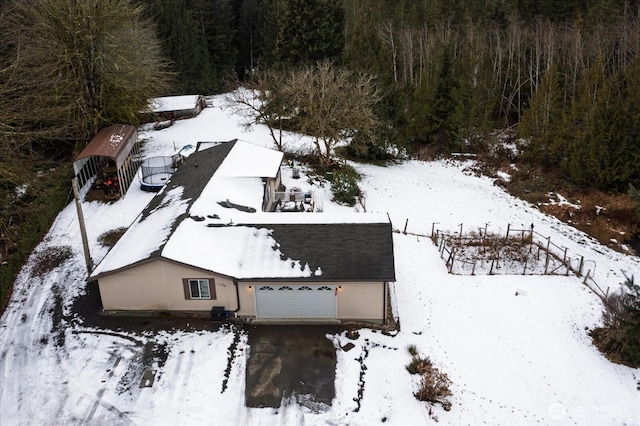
(50, 258)
(609, 218)
(110, 238)
(434, 384)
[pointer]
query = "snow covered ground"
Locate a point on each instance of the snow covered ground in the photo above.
(521, 359)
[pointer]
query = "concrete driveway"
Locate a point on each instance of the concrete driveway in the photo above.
(290, 361)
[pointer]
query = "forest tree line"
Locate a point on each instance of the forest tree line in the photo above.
(565, 74)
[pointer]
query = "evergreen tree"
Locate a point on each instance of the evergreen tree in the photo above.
(619, 337)
(215, 21)
(542, 121)
(309, 31)
(185, 44)
(269, 21)
(605, 146)
(247, 39)
(445, 107)
(363, 48)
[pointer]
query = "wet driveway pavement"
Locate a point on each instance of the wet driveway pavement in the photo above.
(290, 362)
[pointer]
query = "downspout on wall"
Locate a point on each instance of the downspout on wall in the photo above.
(385, 289)
(235, 283)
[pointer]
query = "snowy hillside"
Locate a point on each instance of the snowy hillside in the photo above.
(515, 347)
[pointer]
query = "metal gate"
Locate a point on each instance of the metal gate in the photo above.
(295, 301)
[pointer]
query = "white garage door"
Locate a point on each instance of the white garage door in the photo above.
(295, 301)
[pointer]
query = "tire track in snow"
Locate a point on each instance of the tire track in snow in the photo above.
(184, 365)
(115, 359)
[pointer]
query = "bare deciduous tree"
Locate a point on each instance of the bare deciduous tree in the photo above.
(258, 101)
(324, 101)
(70, 67)
(330, 104)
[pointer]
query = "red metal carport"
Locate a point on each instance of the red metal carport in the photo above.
(113, 151)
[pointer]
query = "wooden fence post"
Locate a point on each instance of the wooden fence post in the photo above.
(580, 266)
(449, 261)
(546, 262)
(508, 227)
(405, 226)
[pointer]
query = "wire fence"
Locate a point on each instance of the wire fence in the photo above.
(514, 252)
(518, 251)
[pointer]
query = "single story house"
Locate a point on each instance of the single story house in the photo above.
(208, 240)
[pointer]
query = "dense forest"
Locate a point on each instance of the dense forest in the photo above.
(564, 74)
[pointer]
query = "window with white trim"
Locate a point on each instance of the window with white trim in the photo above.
(199, 288)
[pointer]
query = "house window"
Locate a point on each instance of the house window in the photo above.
(198, 288)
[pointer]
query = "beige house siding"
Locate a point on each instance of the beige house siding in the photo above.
(246, 291)
(361, 301)
(158, 285)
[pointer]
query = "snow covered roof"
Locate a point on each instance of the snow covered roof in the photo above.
(209, 216)
(174, 103)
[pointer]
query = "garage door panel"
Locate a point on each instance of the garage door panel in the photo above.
(295, 301)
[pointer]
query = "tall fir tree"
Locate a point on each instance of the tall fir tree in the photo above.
(605, 146)
(184, 44)
(542, 121)
(309, 31)
(444, 110)
(215, 21)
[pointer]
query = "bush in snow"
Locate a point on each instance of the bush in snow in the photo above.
(434, 384)
(434, 388)
(619, 338)
(344, 185)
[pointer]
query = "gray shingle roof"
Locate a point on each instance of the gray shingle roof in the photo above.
(346, 251)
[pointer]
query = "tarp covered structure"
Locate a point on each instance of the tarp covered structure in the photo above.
(113, 151)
